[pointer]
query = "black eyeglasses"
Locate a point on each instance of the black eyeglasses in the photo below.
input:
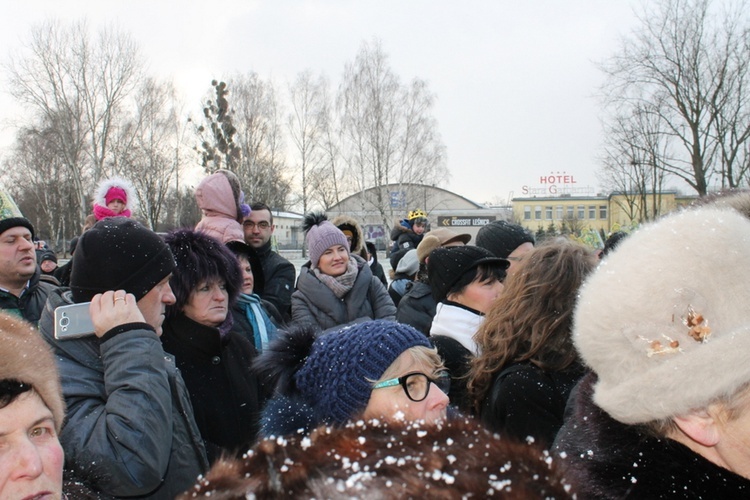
(261, 225)
(417, 385)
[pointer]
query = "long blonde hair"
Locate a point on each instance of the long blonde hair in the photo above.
(532, 319)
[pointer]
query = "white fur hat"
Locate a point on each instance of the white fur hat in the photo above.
(663, 321)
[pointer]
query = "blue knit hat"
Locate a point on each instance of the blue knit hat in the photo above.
(336, 379)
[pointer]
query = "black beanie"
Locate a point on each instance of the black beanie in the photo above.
(10, 222)
(501, 237)
(447, 265)
(119, 253)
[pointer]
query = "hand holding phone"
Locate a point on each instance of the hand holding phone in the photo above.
(73, 321)
(114, 308)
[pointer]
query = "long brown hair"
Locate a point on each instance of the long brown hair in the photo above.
(532, 319)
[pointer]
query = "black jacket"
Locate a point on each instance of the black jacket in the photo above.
(377, 271)
(525, 400)
(225, 394)
(30, 304)
(608, 459)
(457, 359)
(417, 307)
(279, 275)
(405, 239)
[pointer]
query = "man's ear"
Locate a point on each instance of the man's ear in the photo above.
(700, 426)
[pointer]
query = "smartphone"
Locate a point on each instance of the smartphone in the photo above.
(73, 321)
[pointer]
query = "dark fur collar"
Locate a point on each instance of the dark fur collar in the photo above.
(608, 459)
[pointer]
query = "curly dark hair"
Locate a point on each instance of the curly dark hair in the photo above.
(532, 319)
(200, 258)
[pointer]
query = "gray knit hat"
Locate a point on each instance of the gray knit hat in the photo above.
(663, 321)
(408, 265)
(321, 235)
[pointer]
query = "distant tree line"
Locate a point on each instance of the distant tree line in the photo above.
(91, 111)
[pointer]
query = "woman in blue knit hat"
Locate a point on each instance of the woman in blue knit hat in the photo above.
(336, 287)
(372, 370)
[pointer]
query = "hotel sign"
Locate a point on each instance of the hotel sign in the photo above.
(461, 221)
(556, 183)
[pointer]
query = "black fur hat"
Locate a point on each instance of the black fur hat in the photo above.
(200, 258)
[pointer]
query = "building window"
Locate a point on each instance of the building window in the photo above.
(570, 212)
(592, 211)
(526, 212)
(581, 212)
(538, 212)
(602, 211)
(559, 212)
(548, 213)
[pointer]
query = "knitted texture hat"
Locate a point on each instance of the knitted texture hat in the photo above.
(439, 237)
(447, 265)
(27, 358)
(119, 253)
(116, 193)
(321, 235)
(408, 265)
(10, 215)
(114, 188)
(501, 237)
(42, 255)
(663, 320)
(337, 377)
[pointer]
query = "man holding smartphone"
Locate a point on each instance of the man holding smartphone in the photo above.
(130, 429)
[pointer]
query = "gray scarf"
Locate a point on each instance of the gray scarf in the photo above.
(340, 285)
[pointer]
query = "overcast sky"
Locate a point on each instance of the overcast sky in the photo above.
(515, 80)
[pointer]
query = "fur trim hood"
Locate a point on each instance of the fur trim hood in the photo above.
(124, 184)
(344, 222)
(455, 459)
(611, 460)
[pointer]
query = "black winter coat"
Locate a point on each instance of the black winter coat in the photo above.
(417, 307)
(279, 275)
(377, 271)
(525, 400)
(457, 359)
(405, 239)
(610, 460)
(225, 393)
(30, 304)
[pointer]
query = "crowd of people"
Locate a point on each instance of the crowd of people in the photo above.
(504, 368)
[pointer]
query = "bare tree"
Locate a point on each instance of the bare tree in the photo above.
(389, 135)
(258, 118)
(78, 87)
(687, 64)
(328, 181)
(635, 146)
(149, 150)
(37, 175)
(305, 124)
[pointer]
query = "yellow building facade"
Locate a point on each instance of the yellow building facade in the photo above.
(606, 213)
